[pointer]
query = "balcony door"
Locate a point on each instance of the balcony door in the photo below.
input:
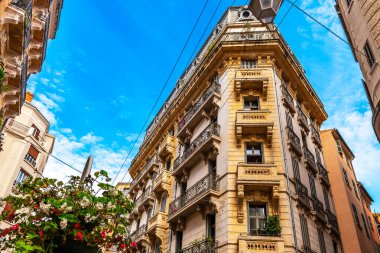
(178, 241)
(210, 226)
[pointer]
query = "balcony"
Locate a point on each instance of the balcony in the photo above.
(168, 146)
(206, 142)
(294, 142)
(315, 136)
(318, 210)
(310, 160)
(287, 100)
(206, 105)
(145, 173)
(302, 120)
(158, 223)
(254, 122)
(200, 194)
(31, 160)
(302, 195)
(251, 79)
(333, 222)
(24, 131)
(323, 175)
(145, 199)
(248, 244)
(138, 234)
(204, 246)
(162, 182)
(253, 175)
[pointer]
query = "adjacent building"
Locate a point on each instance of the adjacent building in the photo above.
(123, 187)
(361, 23)
(25, 27)
(352, 201)
(233, 160)
(27, 146)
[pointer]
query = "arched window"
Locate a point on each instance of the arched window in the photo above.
(163, 202)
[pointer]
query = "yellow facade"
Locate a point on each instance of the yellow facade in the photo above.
(218, 161)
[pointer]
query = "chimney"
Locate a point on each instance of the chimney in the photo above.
(29, 97)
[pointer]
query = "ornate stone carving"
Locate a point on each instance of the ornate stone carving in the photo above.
(240, 217)
(239, 134)
(257, 196)
(265, 90)
(237, 90)
(240, 191)
(261, 246)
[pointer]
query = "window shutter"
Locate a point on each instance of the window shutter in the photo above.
(33, 152)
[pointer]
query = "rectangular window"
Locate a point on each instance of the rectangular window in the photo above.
(312, 185)
(321, 240)
(348, 2)
(22, 175)
(326, 197)
(289, 121)
(256, 218)
(369, 54)
(251, 103)
(178, 241)
(340, 150)
(356, 214)
(249, 64)
(32, 155)
(305, 231)
(355, 189)
(346, 177)
(171, 131)
(168, 164)
(296, 169)
(365, 225)
(254, 153)
(370, 223)
(36, 131)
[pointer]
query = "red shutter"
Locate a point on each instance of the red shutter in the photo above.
(33, 152)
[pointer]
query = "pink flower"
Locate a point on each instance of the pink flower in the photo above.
(123, 246)
(41, 233)
(15, 227)
(76, 226)
(103, 234)
(134, 244)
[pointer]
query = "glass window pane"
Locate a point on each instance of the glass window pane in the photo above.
(262, 223)
(261, 211)
(251, 159)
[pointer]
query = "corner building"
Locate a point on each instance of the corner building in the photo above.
(235, 145)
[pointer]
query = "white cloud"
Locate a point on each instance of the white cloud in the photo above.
(90, 138)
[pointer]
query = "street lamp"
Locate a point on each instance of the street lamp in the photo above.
(265, 10)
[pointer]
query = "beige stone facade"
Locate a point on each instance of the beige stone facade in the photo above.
(355, 221)
(25, 27)
(27, 146)
(361, 22)
(235, 145)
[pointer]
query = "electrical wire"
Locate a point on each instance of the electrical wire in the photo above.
(328, 29)
(161, 92)
(286, 14)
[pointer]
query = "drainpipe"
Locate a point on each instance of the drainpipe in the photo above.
(285, 162)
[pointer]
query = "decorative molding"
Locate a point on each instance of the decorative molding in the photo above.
(257, 196)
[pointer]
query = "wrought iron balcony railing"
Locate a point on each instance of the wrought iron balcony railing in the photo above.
(144, 196)
(138, 233)
(318, 208)
(332, 220)
(302, 119)
(302, 193)
(214, 88)
(204, 246)
(207, 133)
(294, 141)
(323, 174)
(288, 99)
(209, 182)
(310, 160)
(307, 249)
(30, 159)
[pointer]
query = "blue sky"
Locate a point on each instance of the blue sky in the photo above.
(108, 63)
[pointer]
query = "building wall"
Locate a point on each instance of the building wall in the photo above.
(18, 139)
(275, 186)
(354, 236)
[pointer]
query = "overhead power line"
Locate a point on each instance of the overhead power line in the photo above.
(328, 29)
(161, 92)
(286, 14)
(196, 47)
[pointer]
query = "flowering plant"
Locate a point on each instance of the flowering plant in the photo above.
(46, 214)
